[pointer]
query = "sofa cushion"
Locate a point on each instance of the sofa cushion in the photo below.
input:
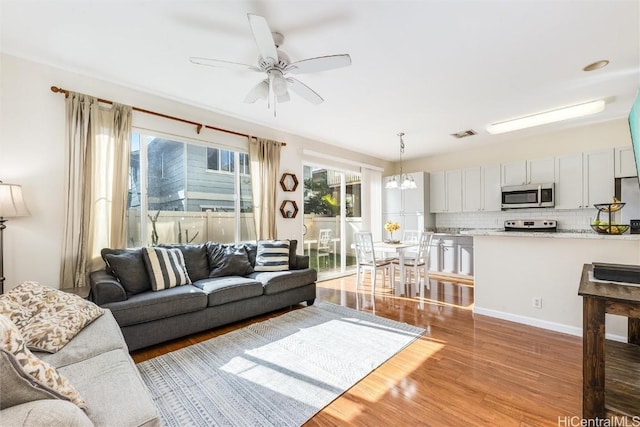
(158, 305)
(228, 260)
(117, 395)
(222, 290)
(55, 317)
(128, 267)
(195, 259)
(273, 255)
(41, 373)
(280, 281)
(45, 413)
(18, 387)
(100, 336)
(166, 268)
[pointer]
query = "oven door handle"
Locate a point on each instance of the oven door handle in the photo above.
(539, 195)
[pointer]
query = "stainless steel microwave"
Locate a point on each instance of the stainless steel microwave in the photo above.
(528, 196)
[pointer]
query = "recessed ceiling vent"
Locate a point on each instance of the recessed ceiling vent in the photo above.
(464, 134)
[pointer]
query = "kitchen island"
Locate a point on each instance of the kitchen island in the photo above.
(530, 277)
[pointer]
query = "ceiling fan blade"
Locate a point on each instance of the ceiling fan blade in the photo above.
(304, 91)
(223, 64)
(262, 36)
(259, 91)
(321, 63)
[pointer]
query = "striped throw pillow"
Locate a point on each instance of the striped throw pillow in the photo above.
(273, 255)
(166, 268)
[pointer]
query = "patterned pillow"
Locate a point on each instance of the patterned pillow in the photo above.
(43, 374)
(166, 268)
(273, 255)
(47, 318)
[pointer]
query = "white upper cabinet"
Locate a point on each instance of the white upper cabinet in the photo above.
(438, 192)
(514, 173)
(454, 190)
(541, 171)
(481, 189)
(568, 181)
(491, 189)
(391, 199)
(599, 178)
(536, 171)
(414, 199)
(625, 164)
(471, 190)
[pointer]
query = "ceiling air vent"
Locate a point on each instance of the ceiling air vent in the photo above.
(464, 134)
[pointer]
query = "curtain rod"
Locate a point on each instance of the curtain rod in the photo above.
(198, 126)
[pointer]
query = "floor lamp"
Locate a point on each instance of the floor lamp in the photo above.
(11, 205)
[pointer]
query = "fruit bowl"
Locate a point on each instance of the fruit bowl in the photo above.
(609, 207)
(610, 228)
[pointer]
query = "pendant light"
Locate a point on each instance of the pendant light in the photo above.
(404, 181)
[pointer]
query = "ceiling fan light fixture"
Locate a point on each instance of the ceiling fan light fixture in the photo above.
(546, 117)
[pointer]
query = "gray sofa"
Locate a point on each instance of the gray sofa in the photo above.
(97, 363)
(221, 292)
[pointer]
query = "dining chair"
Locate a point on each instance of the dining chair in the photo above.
(411, 236)
(418, 262)
(324, 246)
(366, 260)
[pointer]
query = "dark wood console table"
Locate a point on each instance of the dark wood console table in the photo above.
(598, 299)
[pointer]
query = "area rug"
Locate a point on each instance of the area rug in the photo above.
(279, 372)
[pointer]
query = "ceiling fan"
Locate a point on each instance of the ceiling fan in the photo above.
(278, 67)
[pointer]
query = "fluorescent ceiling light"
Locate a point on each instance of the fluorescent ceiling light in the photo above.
(547, 117)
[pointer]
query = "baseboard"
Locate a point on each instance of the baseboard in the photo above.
(544, 324)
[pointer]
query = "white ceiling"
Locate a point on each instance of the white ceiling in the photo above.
(426, 68)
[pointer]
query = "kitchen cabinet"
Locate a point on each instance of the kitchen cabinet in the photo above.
(568, 181)
(451, 254)
(446, 191)
(625, 164)
(410, 207)
(583, 179)
(481, 189)
(533, 171)
(598, 184)
(471, 189)
(491, 188)
(454, 190)
(438, 192)
(465, 255)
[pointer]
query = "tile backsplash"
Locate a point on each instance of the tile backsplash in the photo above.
(576, 220)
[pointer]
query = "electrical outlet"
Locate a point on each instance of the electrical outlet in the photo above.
(536, 302)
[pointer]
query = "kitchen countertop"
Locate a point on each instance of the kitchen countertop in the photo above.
(553, 235)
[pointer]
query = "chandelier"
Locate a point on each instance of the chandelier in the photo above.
(404, 181)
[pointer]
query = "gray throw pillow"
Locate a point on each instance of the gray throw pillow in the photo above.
(228, 260)
(195, 259)
(129, 268)
(293, 248)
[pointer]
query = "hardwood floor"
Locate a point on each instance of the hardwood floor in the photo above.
(465, 370)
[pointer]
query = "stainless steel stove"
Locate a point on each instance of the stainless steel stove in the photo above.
(549, 225)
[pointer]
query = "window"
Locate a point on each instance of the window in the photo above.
(221, 160)
(244, 164)
(185, 192)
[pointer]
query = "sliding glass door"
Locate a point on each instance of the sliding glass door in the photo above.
(332, 213)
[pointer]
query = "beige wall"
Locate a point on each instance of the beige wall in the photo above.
(608, 134)
(32, 154)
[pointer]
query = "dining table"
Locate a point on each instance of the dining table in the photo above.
(400, 249)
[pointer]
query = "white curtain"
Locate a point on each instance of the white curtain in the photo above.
(97, 152)
(264, 155)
